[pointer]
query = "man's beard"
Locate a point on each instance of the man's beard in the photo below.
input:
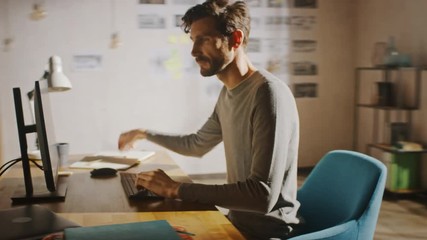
(216, 65)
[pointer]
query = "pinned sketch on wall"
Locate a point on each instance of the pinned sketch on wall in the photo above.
(305, 3)
(304, 68)
(166, 64)
(87, 62)
(173, 61)
(302, 23)
(276, 52)
(277, 65)
(305, 90)
(185, 2)
(151, 1)
(278, 3)
(277, 22)
(304, 46)
(151, 21)
(178, 20)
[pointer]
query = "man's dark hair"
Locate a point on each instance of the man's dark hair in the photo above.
(229, 18)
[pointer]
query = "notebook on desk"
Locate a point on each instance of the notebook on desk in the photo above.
(152, 230)
(31, 222)
(119, 160)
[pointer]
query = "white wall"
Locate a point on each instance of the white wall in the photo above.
(127, 93)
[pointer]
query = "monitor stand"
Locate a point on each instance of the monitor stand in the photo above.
(41, 194)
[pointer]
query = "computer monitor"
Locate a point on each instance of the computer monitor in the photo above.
(52, 188)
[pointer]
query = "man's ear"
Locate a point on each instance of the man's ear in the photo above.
(237, 37)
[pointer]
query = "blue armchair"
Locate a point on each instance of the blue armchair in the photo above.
(341, 197)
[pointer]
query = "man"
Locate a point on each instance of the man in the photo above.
(256, 118)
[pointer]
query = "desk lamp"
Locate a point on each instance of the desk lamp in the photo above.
(57, 82)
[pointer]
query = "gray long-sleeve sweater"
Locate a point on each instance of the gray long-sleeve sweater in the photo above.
(258, 122)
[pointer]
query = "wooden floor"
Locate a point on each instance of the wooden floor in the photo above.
(402, 217)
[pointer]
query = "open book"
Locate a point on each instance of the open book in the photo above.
(113, 159)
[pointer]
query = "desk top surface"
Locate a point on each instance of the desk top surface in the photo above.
(86, 194)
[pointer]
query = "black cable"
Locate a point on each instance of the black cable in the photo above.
(11, 163)
(13, 160)
(38, 165)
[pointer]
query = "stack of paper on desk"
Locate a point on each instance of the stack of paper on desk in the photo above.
(113, 159)
(152, 230)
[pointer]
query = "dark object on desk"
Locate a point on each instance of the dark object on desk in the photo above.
(31, 222)
(152, 230)
(128, 183)
(52, 190)
(103, 172)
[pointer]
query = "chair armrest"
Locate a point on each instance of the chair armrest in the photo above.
(347, 230)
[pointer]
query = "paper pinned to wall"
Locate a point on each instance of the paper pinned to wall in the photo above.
(87, 62)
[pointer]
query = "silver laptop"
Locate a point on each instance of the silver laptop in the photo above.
(31, 222)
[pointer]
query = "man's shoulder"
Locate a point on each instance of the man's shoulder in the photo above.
(273, 88)
(268, 76)
(269, 82)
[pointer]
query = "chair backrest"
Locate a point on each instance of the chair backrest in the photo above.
(343, 186)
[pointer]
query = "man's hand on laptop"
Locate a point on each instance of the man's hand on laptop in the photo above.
(158, 182)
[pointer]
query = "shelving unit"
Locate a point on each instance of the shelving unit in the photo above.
(404, 98)
(387, 107)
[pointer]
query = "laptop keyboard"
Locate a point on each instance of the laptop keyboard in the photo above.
(128, 183)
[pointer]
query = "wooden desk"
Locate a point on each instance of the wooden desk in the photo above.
(86, 194)
(91, 202)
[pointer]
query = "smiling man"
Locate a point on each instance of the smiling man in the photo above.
(256, 118)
